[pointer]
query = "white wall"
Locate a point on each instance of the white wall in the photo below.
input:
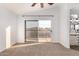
(54, 20)
(64, 25)
(60, 24)
(7, 19)
(20, 30)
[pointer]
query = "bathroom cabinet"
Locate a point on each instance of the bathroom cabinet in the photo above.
(74, 39)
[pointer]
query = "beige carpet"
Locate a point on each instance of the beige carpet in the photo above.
(39, 49)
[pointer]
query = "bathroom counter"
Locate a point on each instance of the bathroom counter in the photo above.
(74, 34)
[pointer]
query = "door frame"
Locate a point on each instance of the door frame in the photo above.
(25, 40)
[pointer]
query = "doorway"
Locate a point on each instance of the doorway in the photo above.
(38, 30)
(8, 37)
(74, 29)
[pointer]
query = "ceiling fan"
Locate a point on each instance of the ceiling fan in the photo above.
(41, 4)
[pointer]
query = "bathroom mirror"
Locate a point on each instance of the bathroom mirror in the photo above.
(74, 17)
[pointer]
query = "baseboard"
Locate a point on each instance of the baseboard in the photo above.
(64, 45)
(2, 50)
(13, 44)
(7, 48)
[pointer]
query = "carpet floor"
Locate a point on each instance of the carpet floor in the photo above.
(39, 49)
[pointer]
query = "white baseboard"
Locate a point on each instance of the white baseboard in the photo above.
(2, 49)
(64, 45)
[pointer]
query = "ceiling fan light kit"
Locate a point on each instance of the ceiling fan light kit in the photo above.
(41, 4)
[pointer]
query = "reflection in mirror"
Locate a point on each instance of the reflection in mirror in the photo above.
(74, 17)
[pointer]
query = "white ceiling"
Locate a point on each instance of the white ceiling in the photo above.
(21, 8)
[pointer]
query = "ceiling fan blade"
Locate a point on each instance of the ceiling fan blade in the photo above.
(33, 4)
(50, 3)
(42, 5)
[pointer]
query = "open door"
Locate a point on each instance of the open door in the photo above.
(44, 31)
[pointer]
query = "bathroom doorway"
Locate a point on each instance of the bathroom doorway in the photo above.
(74, 29)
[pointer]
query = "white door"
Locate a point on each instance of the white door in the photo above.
(8, 37)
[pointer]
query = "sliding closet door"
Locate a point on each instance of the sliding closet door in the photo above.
(31, 30)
